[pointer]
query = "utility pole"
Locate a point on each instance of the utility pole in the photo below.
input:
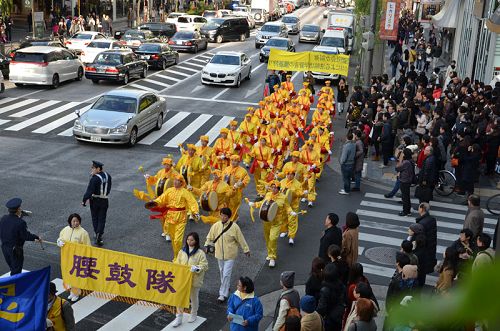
(373, 21)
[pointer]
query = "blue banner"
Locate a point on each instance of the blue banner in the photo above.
(23, 301)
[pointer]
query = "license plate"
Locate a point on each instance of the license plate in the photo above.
(94, 138)
(179, 42)
(101, 70)
(145, 57)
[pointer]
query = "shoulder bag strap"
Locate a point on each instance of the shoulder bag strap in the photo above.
(223, 231)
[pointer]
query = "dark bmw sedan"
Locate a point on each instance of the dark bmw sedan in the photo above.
(116, 65)
(191, 41)
(157, 55)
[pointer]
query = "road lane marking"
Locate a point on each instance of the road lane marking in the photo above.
(188, 131)
(18, 105)
(42, 117)
(167, 126)
(388, 272)
(4, 121)
(396, 242)
(214, 132)
(142, 87)
(212, 100)
(402, 229)
(155, 82)
(130, 317)
(177, 73)
(185, 326)
(87, 305)
(63, 120)
(188, 69)
(220, 93)
(198, 60)
(5, 100)
(36, 108)
(169, 78)
(195, 64)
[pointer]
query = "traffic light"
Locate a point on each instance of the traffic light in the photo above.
(368, 40)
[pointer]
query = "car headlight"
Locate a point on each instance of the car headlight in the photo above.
(232, 74)
(78, 125)
(119, 129)
(204, 72)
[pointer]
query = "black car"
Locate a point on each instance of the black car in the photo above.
(227, 28)
(159, 29)
(117, 65)
(134, 38)
(157, 55)
(283, 44)
(191, 41)
(4, 66)
(37, 42)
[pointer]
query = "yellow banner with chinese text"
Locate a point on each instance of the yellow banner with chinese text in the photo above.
(309, 61)
(126, 275)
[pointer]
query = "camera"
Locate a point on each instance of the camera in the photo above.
(210, 249)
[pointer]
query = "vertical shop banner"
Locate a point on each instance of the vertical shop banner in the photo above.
(390, 20)
(126, 275)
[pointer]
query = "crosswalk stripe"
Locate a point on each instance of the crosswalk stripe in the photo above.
(129, 318)
(185, 326)
(188, 131)
(375, 238)
(402, 229)
(199, 60)
(156, 82)
(5, 100)
(142, 87)
(18, 105)
(410, 220)
(213, 133)
(42, 117)
(195, 64)
(432, 203)
(204, 57)
(61, 121)
(388, 206)
(169, 125)
(87, 305)
(388, 272)
(4, 121)
(186, 68)
(36, 108)
(168, 78)
(177, 73)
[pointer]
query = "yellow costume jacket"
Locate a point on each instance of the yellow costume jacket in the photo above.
(177, 201)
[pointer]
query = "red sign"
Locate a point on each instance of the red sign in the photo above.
(390, 20)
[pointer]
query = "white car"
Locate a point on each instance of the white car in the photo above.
(81, 40)
(227, 68)
(44, 65)
(172, 17)
(190, 22)
(89, 53)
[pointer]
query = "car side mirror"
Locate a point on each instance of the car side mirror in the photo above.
(77, 112)
(323, 31)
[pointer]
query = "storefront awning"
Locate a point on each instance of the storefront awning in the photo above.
(493, 23)
(448, 16)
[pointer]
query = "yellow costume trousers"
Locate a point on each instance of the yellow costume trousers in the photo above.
(271, 234)
(310, 186)
(291, 226)
(234, 204)
(260, 179)
(246, 156)
(176, 233)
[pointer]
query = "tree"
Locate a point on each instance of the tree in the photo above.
(6, 7)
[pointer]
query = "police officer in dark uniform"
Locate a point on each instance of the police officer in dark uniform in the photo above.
(13, 233)
(97, 193)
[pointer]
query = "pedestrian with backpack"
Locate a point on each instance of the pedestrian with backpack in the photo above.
(288, 303)
(395, 58)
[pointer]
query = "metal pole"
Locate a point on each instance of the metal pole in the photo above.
(373, 21)
(33, 17)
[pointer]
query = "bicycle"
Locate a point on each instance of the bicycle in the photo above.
(446, 183)
(493, 204)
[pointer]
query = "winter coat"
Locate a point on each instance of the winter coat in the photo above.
(250, 308)
(311, 322)
(331, 305)
(359, 156)
(198, 259)
(348, 153)
(428, 174)
(474, 220)
(342, 93)
(430, 230)
(313, 286)
(331, 236)
(350, 243)
(406, 171)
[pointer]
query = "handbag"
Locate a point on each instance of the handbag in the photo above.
(211, 248)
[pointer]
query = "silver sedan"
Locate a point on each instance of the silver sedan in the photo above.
(120, 116)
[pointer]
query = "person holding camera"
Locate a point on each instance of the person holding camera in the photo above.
(223, 240)
(192, 255)
(13, 233)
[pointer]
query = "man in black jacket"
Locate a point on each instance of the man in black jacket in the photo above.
(331, 235)
(430, 229)
(386, 139)
(427, 176)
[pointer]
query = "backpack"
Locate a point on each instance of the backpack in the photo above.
(292, 311)
(394, 58)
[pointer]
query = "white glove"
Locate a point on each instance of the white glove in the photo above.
(195, 268)
(313, 166)
(255, 137)
(270, 166)
(60, 243)
(146, 176)
(286, 139)
(251, 204)
(189, 187)
(329, 152)
(301, 117)
(292, 213)
(234, 146)
(272, 150)
(220, 157)
(277, 114)
(249, 139)
(197, 216)
(297, 135)
(331, 134)
(278, 150)
(305, 192)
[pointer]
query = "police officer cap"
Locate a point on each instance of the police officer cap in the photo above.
(14, 203)
(97, 164)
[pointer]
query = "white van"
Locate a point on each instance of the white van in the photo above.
(334, 41)
(343, 20)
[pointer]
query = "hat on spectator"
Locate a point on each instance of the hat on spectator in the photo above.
(287, 278)
(308, 304)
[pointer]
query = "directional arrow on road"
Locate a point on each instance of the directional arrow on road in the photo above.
(252, 91)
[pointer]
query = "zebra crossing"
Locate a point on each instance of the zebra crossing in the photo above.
(55, 119)
(382, 227)
(88, 313)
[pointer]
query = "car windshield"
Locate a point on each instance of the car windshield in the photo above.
(289, 19)
(277, 43)
(29, 57)
(209, 14)
(311, 28)
(108, 59)
(213, 23)
(82, 36)
(226, 59)
(270, 28)
(332, 42)
(149, 48)
(40, 43)
(183, 35)
(134, 35)
(99, 44)
(116, 103)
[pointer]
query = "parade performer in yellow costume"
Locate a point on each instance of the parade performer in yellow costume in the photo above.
(274, 142)
(264, 117)
(277, 98)
(223, 149)
(234, 137)
(291, 224)
(249, 137)
(327, 88)
(312, 160)
(289, 86)
(176, 202)
(320, 115)
(304, 101)
(190, 166)
(286, 140)
(205, 153)
(261, 165)
(236, 177)
(272, 229)
(221, 188)
(295, 165)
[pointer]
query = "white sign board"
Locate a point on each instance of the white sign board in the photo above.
(38, 17)
(390, 15)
